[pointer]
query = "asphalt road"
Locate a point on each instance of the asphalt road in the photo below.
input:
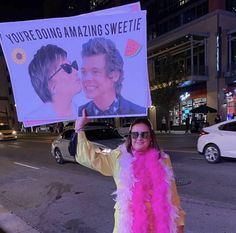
(50, 198)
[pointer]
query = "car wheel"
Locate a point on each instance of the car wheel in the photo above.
(58, 156)
(212, 153)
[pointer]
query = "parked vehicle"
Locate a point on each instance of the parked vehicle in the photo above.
(124, 130)
(218, 141)
(71, 124)
(42, 129)
(103, 137)
(7, 133)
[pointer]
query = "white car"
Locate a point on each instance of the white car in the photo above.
(7, 133)
(103, 137)
(218, 141)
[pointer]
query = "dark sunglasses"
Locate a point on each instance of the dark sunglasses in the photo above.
(143, 135)
(67, 68)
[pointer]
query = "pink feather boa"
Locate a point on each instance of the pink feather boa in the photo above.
(144, 194)
(150, 203)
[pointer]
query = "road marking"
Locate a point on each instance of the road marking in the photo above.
(25, 165)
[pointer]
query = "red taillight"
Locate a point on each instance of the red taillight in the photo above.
(203, 133)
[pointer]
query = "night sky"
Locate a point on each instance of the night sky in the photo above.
(16, 10)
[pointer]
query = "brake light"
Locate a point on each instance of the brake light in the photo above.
(203, 133)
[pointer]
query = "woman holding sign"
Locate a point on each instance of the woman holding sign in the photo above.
(55, 79)
(146, 198)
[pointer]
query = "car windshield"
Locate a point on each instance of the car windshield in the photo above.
(4, 127)
(99, 124)
(102, 134)
(94, 134)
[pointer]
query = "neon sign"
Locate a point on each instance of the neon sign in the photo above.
(184, 96)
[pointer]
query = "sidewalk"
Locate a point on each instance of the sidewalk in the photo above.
(171, 132)
(10, 223)
(34, 134)
(174, 132)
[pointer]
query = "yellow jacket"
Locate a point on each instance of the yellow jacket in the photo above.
(107, 164)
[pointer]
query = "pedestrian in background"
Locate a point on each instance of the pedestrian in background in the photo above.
(194, 124)
(146, 195)
(163, 124)
(217, 119)
(60, 127)
(170, 125)
(187, 123)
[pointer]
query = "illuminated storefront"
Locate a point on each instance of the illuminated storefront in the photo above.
(188, 101)
(231, 102)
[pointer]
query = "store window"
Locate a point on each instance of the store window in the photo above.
(176, 115)
(186, 107)
(231, 103)
(187, 103)
(199, 101)
(196, 103)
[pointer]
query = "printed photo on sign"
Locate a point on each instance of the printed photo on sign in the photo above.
(102, 75)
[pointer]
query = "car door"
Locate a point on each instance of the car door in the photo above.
(228, 143)
(64, 144)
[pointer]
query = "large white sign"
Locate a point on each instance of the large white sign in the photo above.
(96, 61)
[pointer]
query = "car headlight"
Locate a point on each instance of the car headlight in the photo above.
(105, 150)
(14, 132)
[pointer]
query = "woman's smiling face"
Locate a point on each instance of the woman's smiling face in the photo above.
(142, 142)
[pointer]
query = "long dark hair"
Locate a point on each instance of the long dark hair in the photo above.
(145, 121)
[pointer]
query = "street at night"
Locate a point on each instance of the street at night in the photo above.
(48, 197)
(135, 69)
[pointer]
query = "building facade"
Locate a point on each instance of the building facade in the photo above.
(28, 10)
(200, 37)
(7, 103)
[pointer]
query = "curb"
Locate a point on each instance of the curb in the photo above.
(11, 223)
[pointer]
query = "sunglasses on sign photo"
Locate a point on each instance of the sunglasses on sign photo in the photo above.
(143, 135)
(67, 68)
